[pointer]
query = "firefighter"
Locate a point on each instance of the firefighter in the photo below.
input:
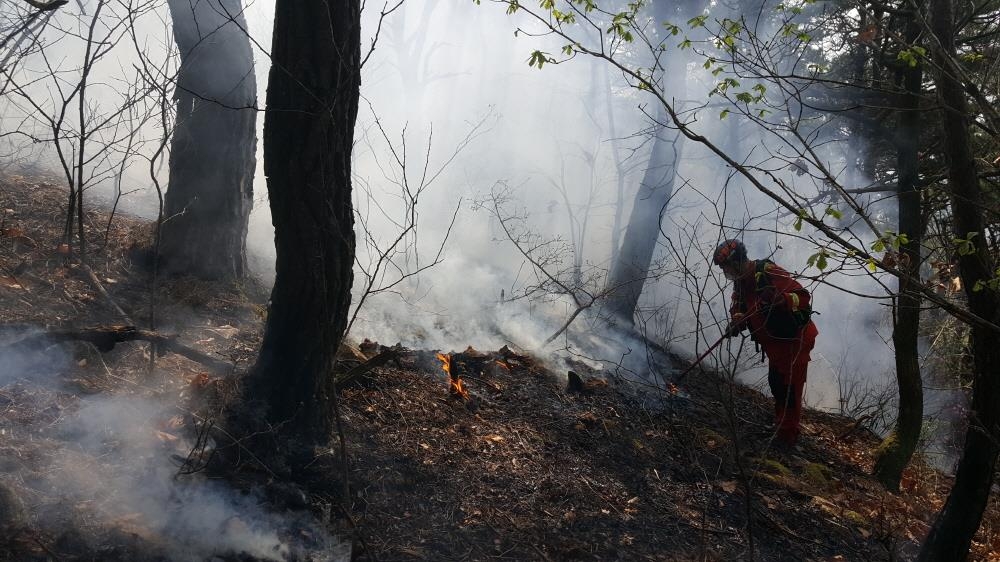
(776, 311)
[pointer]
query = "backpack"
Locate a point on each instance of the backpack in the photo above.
(780, 323)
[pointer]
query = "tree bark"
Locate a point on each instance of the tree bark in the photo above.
(213, 149)
(956, 524)
(896, 450)
(631, 266)
(312, 105)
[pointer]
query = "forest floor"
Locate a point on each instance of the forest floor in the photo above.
(520, 469)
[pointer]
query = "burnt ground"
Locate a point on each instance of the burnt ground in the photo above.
(522, 469)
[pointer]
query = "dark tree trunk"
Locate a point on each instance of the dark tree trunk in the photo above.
(312, 105)
(630, 268)
(956, 524)
(212, 153)
(897, 448)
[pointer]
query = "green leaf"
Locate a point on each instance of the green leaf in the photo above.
(819, 259)
(966, 246)
(698, 21)
(834, 213)
(724, 114)
(538, 58)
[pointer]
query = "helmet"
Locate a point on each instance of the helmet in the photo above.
(729, 251)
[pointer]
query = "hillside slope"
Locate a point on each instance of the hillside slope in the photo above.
(95, 448)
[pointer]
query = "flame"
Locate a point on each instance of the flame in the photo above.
(454, 381)
(458, 389)
(445, 362)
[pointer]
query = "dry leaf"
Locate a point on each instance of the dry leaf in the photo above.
(11, 283)
(729, 486)
(165, 437)
(867, 35)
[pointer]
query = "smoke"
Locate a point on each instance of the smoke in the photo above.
(564, 138)
(194, 518)
(108, 465)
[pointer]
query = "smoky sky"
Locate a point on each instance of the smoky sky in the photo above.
(557, 139)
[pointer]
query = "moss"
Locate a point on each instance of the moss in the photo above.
(856, 518)
(818, 475)
(775, 467)
(711, 439)
(891, 457)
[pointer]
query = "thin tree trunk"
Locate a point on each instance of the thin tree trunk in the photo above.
(616, 227)
(959, 519)
(312, 105)
(894, 454)
(630, 270)
(631, 267)
(213, 150)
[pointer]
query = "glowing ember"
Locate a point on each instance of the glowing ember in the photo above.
(454, 381)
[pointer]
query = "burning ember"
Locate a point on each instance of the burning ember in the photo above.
(454, 381)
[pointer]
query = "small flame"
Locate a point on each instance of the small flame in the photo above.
(454, 381)
(445, 362)
(458, 389)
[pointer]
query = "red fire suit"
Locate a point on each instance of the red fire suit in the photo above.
(775, 311)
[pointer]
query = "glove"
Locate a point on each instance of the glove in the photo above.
(769, 296)
(736, 325)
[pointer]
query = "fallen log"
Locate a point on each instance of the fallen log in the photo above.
(387, 354)
(104, 339)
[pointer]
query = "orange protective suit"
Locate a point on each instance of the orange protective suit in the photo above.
(776, 311)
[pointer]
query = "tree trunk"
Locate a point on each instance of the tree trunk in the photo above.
(631, 268)
(897, 448)
(212, 152)
(312, 105)
(956, 524)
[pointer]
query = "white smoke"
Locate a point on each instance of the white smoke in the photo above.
(111, 463)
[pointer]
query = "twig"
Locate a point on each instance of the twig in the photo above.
(91, 277)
